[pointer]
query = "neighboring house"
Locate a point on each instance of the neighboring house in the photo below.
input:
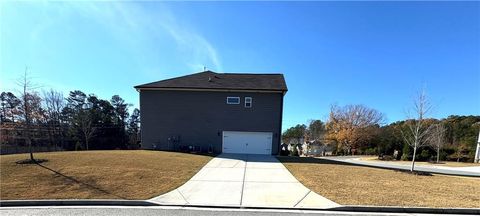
(295, 144)
(316, 148)
(213, 112)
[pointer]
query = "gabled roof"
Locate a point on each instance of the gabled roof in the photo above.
(226, 81)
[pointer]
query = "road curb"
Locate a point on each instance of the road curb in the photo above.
(382, 209)
(92, 202)
(396, 209)
(372, 209)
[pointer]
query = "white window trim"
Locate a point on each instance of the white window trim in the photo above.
(251, 102)
(232, 98)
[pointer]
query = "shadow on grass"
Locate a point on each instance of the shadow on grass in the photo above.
(310, 160)
(87, 185)
(184, 152)
(29, 161)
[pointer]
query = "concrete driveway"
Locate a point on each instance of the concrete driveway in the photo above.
(244, 180)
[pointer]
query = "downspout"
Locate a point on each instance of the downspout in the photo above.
(280, 124)
(141, 117)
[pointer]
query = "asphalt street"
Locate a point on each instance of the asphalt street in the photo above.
(177, 211)
(431, 169)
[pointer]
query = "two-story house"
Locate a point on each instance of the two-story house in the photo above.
(216, 112)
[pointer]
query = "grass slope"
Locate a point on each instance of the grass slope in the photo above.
(135, 174)
(349, 184)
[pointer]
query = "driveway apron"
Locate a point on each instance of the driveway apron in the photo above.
(244, 181)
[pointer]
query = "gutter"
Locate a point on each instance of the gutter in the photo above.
(215, 90)
(75, 202)
(144, 203)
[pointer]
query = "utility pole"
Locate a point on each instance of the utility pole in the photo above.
(477, 153)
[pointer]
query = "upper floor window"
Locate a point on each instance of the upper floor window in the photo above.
(233, 100)
(248, 102)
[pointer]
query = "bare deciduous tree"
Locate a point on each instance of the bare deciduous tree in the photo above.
(353, 125)
(27, 90)
(416, 134)
(54, 103)
(86, 126)
(437, 138)
(460, 151)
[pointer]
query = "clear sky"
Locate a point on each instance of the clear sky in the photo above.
(374, 53)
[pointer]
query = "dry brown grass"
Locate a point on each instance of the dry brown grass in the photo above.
(135, 174)
(349, 184)
(442, 163)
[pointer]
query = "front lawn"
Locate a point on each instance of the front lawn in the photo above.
(118, 174)
(349, 184)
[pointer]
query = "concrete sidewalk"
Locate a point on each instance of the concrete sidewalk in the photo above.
(244, 181)
(459, 171)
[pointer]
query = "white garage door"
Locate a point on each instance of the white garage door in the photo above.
(247, 142)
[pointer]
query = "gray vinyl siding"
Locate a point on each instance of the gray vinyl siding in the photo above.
(199, 117)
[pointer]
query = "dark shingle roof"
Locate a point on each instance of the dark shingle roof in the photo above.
(229, 81)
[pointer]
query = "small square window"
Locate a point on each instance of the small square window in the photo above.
(248, 102)
(233, 100)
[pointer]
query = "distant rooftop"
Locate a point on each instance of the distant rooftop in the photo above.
(232, 81)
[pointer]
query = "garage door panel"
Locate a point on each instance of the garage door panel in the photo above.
(247, 142)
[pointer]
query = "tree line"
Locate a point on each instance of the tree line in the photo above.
(357, 129)
(79, 121)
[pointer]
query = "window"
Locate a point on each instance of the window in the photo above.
(248, 102)
(233, 100)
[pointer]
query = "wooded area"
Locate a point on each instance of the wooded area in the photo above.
(49, 122)
(356, 129)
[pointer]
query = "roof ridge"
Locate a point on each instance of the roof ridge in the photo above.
(179, 77)
(237, 73)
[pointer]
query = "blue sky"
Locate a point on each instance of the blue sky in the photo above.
(374, 53)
